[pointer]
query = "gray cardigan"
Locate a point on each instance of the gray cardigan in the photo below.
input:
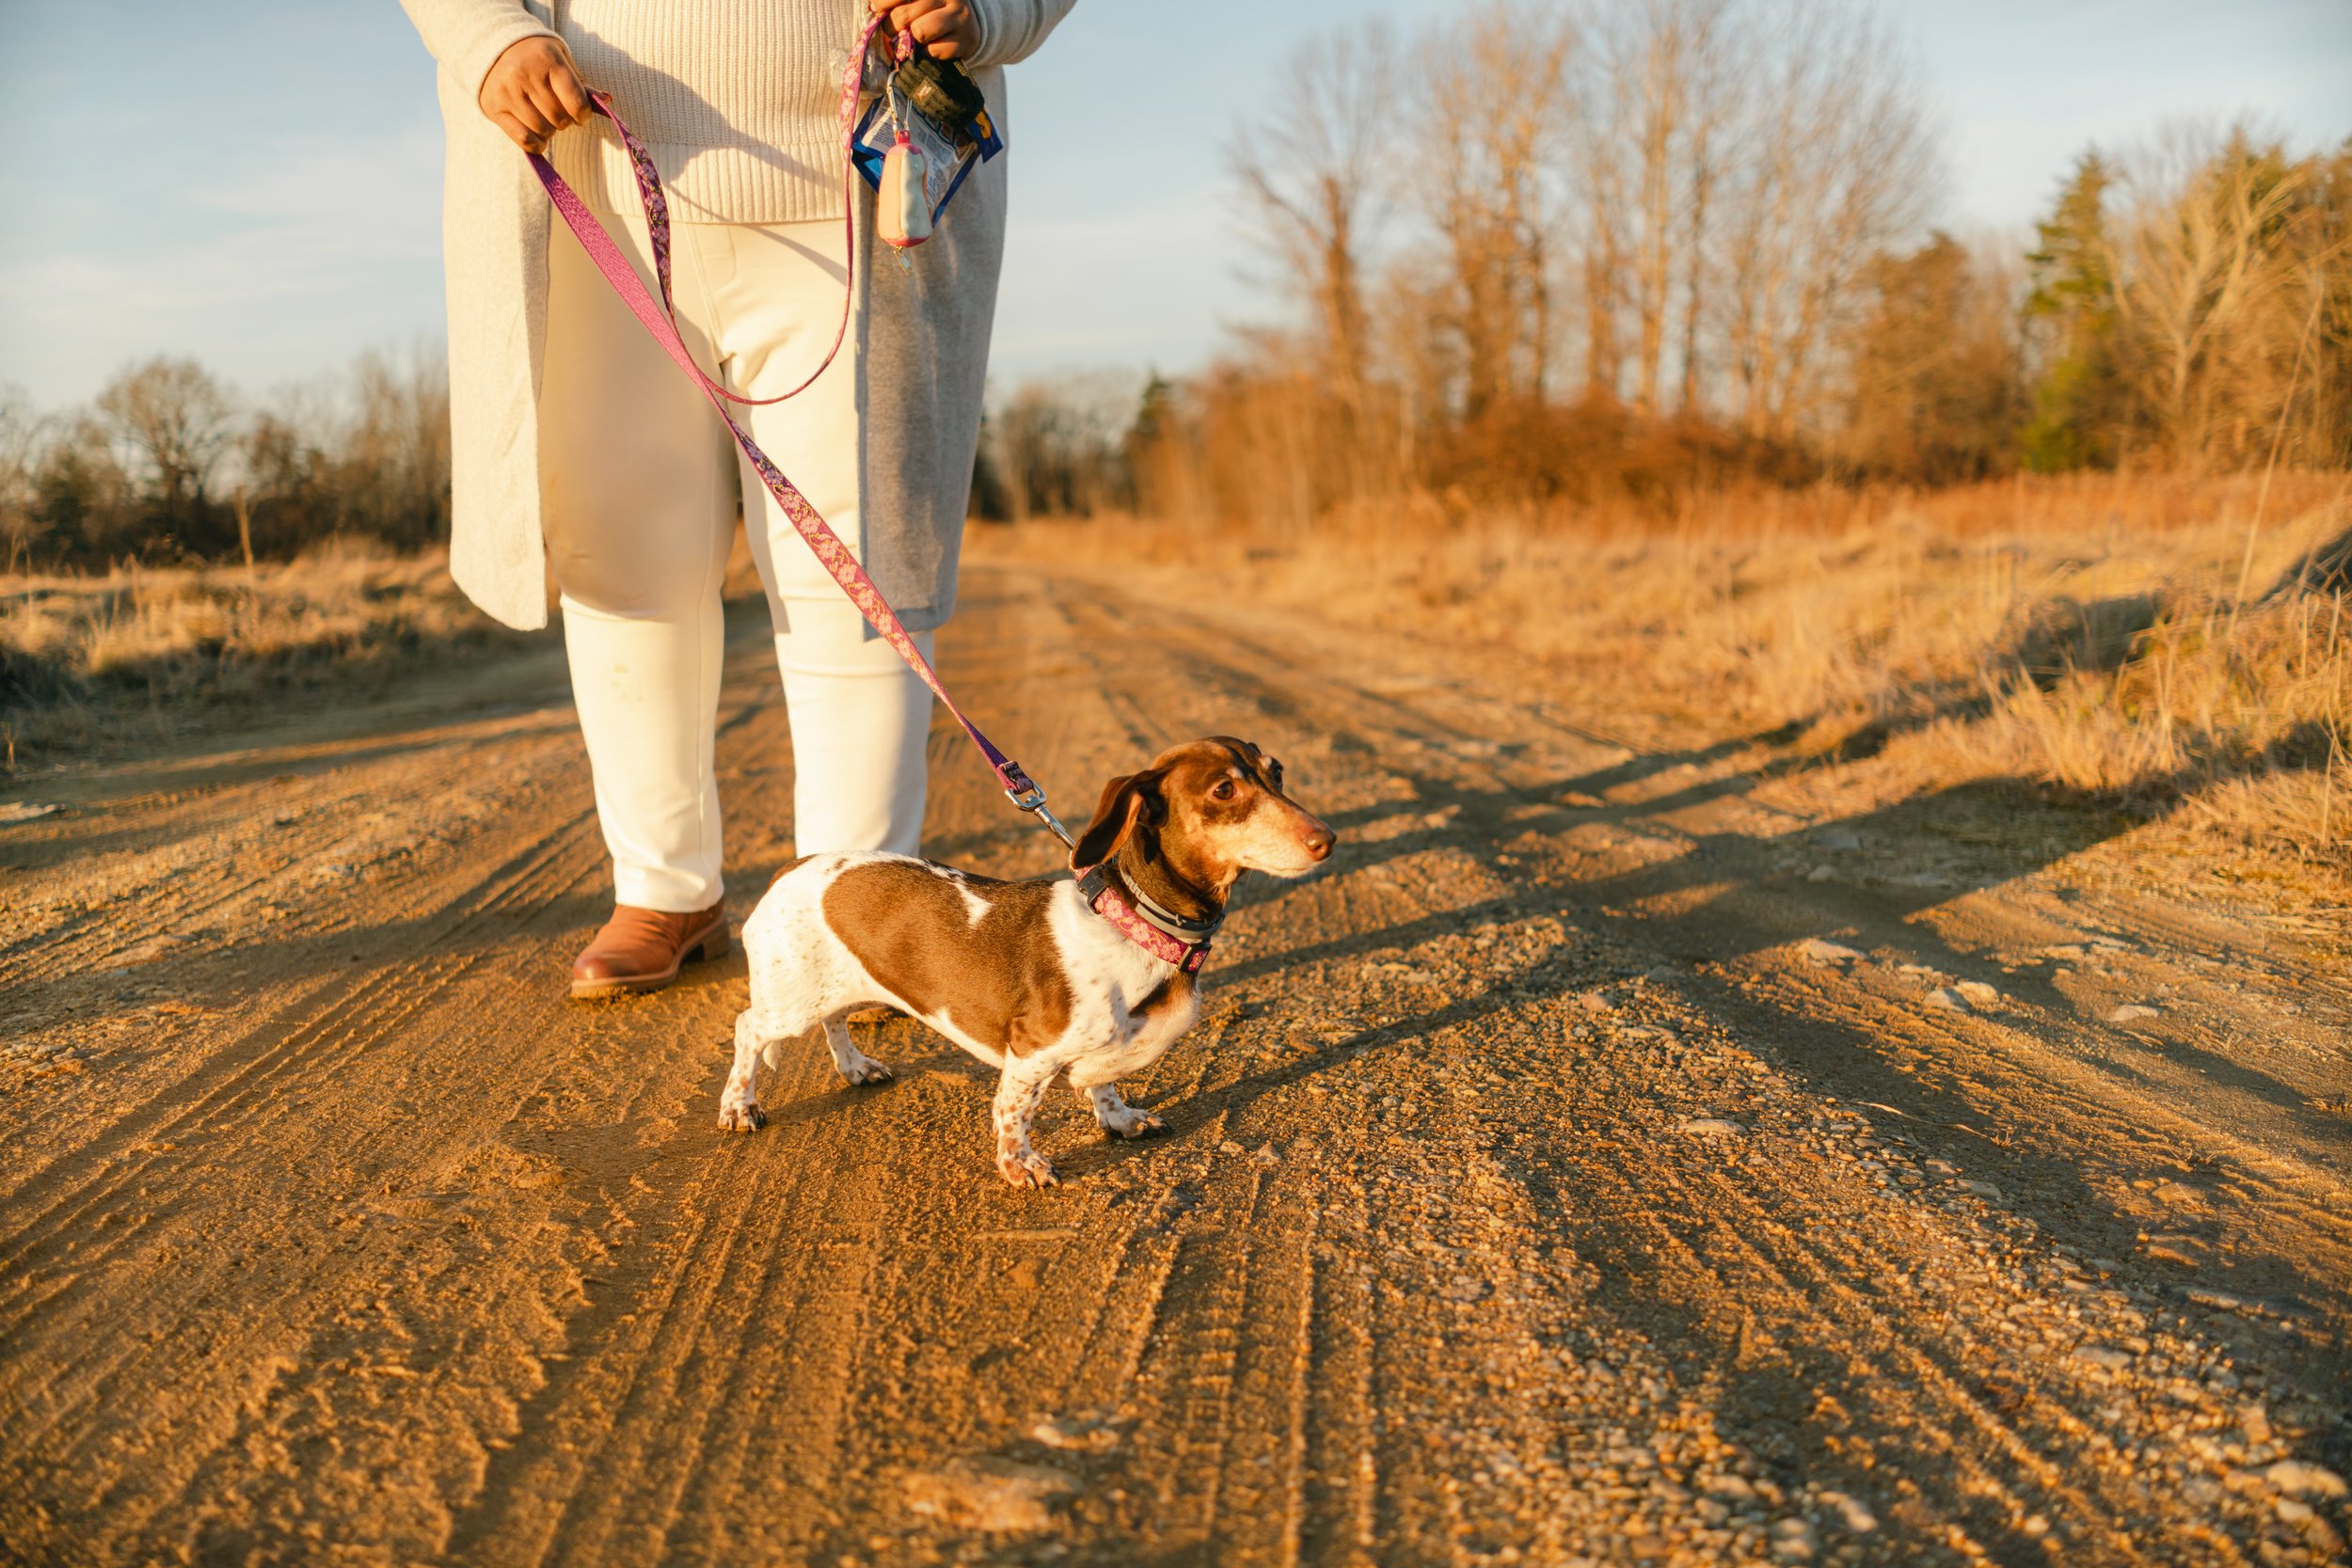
(920, 334)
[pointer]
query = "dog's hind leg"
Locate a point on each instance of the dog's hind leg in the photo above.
(854, 1065)
(739, 1102)
(1116, 1117)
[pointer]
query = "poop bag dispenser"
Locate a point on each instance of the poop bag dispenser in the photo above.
(922, 133)
(902, 203)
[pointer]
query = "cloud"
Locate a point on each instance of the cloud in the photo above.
(307, 256)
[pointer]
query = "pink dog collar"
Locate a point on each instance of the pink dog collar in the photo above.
(1105, 900)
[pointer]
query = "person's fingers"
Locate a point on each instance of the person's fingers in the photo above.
(945, 31)
(547, 103)
(572, 93)
(524, 112)
(521, 134)
(944, 27)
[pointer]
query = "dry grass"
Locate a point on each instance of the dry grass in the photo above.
(2131, 637)
(87, 660)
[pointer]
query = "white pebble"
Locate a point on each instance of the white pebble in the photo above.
(2305, 1480)
(1859, 1518)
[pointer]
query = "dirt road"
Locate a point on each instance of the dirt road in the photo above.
(1624, 1153)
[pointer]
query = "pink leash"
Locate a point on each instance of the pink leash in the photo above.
(660, 320)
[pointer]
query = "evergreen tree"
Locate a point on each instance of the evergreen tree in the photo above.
(2077, 399)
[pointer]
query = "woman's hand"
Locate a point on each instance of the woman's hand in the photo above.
(945, 28)
(532, 91)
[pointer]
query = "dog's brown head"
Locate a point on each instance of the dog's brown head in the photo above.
(1206, 810)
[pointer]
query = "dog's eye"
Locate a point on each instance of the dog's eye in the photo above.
(1225, 790)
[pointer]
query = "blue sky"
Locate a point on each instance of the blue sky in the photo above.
(258, 184)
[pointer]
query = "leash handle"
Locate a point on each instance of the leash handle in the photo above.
(814, 530)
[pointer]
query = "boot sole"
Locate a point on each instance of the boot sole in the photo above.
(714, 944)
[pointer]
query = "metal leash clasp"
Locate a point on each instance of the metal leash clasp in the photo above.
(1028, 794)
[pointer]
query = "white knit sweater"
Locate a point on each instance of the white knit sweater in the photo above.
(737, 100)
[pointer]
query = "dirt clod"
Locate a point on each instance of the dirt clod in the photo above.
(1712, 1127)
(991, 1493)
(1088, 1432)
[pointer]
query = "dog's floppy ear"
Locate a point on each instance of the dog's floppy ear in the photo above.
(1126, 800)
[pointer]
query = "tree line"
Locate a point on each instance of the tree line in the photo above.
(1561, 247)
(1548, 251)
(166, 464)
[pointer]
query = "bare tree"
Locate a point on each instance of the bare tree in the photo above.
(176, 419)
(394, 449)
(1496, 87)
(1310, 167)
(1714, 83)
(1664, 90)
(1842, 166)
(23, 434)
(2215, 278)
(1598, 123)
(1059, 446)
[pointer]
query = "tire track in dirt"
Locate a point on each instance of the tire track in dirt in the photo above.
(455, 1272)
(1811, 1283)
(2302, 1196)
(234, 1093)
(196, 1033)
(2035, 1069)
(1969, 1409)
(261, 818)
(357, 1016)
(1205, 677)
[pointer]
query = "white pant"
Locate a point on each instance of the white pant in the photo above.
(641, 483)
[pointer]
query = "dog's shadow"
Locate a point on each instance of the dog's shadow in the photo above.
(1066, 1129)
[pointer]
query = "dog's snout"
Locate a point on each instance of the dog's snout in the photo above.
(1319, 841)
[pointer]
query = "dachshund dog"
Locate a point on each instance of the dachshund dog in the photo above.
(1090, 979)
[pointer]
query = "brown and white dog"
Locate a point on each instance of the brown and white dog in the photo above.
(1027, 976)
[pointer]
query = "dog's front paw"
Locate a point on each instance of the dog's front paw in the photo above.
(1133, 1124)
(866, 1071)
(1027, 1170)
(743, 1116)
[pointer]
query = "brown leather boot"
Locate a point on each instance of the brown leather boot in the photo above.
(640, 950)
